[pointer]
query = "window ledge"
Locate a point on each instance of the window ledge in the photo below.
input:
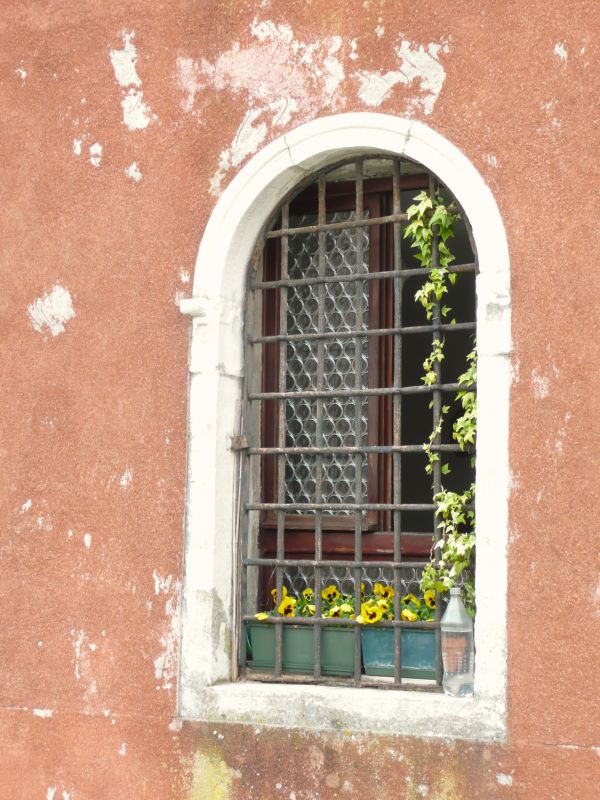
(349, 710)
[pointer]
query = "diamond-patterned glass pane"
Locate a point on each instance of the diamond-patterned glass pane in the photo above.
(339, 427)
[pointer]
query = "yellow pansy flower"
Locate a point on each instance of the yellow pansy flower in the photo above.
(311, 610)
(429, 598)
(346, 608)
(383, 604)
(410, 598)
(370, 613)
(307, 594)
(408, 616)
(383, 591)
(284, 592)
(261, 615)
(330, 593)
(287, 607)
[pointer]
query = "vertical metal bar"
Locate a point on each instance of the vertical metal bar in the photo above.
(319, 423)
(358, 407)
(397, 417)
(281, 431)
(247, 490)
(437, 413)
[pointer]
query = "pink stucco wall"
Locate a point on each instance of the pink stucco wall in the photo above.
(94, 376)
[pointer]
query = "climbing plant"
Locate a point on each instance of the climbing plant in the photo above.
(453, 550)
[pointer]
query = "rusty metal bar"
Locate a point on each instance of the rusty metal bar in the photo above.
(323, 227)
(293, 562)
(358, 406)
(445, 387)
(379, 683)
(340, 506)
(322, 212)
(437, 415)
(309, 337)
(373, 448)
(397, 421)
(338, 621)
(281, 433)
(292, 283)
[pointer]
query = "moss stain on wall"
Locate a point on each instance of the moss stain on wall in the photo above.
(211, 778)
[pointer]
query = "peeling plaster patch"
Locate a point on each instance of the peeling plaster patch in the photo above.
(136, 114)
(491, 160)
(423, 790)
(561, 51)
(123, 62)
(597, 603)
(26, 506)
(279, 77)
(44, 713)
(176, 725)
(184, 276)
(133, 172)
(77, 147)
(126, 478)
(44, 523)
(165, 665)
(541, 385)
(353, 49)
(95, 154)
(50, 792)
(52, 310)
(22, 73)
(379, 31)
(87, 540)
(161, 584)
(503, 779)
(123, 749)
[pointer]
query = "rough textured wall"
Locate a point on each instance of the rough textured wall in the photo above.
(121, 123)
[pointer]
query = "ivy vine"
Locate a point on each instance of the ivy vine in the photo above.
(453, 553)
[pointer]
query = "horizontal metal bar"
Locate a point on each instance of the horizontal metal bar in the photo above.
(307, 563)
(337, 226)
(357, 276)
(366, 680)
(340, 621)
(382, 392)
(375, 448)
(340, 507)
(307, 337)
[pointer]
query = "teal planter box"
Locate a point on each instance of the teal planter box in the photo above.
(418, 652)
(298, 649)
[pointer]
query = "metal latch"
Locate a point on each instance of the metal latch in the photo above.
(239, 441)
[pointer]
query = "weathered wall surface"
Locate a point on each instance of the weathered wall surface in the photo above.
(121, 123)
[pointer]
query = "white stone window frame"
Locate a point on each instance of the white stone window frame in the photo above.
(206, 690)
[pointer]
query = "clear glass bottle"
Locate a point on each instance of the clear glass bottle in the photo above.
(457, 647)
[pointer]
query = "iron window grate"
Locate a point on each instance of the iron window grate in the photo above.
(400, 572)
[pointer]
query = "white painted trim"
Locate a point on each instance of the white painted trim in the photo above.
(217, 309)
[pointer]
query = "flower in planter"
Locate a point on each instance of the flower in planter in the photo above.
(287, 607)
(370, 613)
(262, 615)
(384, 591)
(408, 616)
(308, 594)
(330, 593)
(284, 592)
(429, 598)
(410, 599)
(343, 610)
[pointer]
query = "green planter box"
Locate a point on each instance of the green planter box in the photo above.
(298, 649)
(418, 652)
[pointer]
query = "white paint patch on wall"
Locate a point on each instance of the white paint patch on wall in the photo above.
(503, 779)
(161, 585)
(21, 72)
(52, 310)
(541, 385)
(95, 154)
(126, 477)
(561, 51)
(490, 159)
(43, 713)
(133, 172)
(278, 76)
(165, 665)
(136, 114)
(77, 147)
(416, 63)
(26, 506)
(87, 540)
(123, 749)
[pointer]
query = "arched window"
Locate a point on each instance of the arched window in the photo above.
(338, 505)
(221, 585)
